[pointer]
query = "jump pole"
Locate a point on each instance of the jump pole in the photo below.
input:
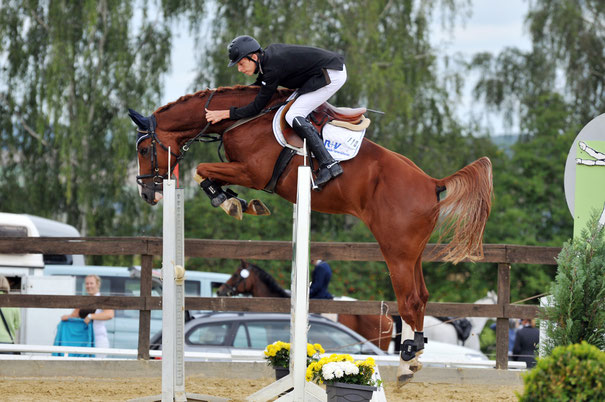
(173, 301)
(299, 307)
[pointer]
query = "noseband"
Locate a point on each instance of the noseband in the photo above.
(155, 175)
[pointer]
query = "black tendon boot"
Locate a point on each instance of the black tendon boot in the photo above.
(328, 167)
(215, 192)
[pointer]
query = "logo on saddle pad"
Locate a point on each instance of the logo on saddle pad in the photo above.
(342, 130)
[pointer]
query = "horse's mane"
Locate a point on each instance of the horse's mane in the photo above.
(268, 280)
(281, 93)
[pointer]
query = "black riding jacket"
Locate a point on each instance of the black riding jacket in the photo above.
(290, 66)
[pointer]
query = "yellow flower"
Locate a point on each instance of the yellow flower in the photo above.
(366, 369)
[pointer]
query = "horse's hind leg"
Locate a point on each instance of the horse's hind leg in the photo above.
(408, 302)
(423, 294)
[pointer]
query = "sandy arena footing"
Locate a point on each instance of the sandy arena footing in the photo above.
(122, 380)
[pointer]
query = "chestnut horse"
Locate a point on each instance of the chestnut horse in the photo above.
(250, 279)
(399, 203)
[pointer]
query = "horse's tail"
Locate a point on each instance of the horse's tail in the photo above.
(464, 211)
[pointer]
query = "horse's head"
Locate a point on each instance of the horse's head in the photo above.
(239, 283)
(153, 157)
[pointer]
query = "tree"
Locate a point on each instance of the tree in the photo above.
(70, 72)
(577, 309)
(568, 37)
(391, 66)
(571, 34)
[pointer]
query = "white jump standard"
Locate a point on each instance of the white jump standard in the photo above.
(173, 301)
(303, 390)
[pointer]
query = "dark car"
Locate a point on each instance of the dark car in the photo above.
(224, 331)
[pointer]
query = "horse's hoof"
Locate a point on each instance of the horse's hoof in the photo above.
(404, 372)
(233, 208)
(258, 208)
(404, 379)
(415, 366)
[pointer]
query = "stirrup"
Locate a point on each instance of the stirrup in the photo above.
(323, 176)
(335, 169)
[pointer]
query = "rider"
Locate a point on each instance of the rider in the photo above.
(316, 73)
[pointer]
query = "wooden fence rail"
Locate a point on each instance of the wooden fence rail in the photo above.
(502, 254)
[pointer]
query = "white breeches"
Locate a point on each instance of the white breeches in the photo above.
(306, 103)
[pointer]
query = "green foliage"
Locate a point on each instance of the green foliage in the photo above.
(392, 67)
(572, 36)
(70, 71)
(577, 310)
(571, 373)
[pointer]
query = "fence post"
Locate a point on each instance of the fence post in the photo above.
(145, 315)
(502, 322)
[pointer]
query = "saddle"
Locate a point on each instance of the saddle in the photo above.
(349, 118)
(341, 129)
(462, 326)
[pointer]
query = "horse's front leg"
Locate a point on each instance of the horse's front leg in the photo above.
(211, 176)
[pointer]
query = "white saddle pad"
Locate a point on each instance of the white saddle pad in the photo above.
(343, 144)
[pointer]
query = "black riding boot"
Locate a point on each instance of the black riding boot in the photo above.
(328, 167)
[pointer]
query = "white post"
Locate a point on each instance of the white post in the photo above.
(169, 322)
(302, 390)
(300, 283)
(173, 302)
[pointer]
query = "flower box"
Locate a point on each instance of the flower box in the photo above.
(341, 392)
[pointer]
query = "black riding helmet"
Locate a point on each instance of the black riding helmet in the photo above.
(241, 47)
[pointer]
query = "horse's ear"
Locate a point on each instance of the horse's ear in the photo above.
(141, 121)
(243, 263)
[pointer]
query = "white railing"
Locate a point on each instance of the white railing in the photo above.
(238, 355)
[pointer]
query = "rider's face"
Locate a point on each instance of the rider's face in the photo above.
(246, 65)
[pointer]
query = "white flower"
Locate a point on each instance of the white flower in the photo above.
(351, 368)
(338, 370)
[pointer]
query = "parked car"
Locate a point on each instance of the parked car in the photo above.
(232, 332)
(222, 332)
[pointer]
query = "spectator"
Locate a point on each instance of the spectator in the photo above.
(10, 317)
(92, 284)
(513, 327)
(526, 342)
(513, 324)
(320, 279)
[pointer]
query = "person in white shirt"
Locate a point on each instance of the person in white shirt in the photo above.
(92, 283)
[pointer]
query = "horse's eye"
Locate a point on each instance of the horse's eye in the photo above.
(144, 151)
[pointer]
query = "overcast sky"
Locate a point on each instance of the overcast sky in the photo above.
(493, 26)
